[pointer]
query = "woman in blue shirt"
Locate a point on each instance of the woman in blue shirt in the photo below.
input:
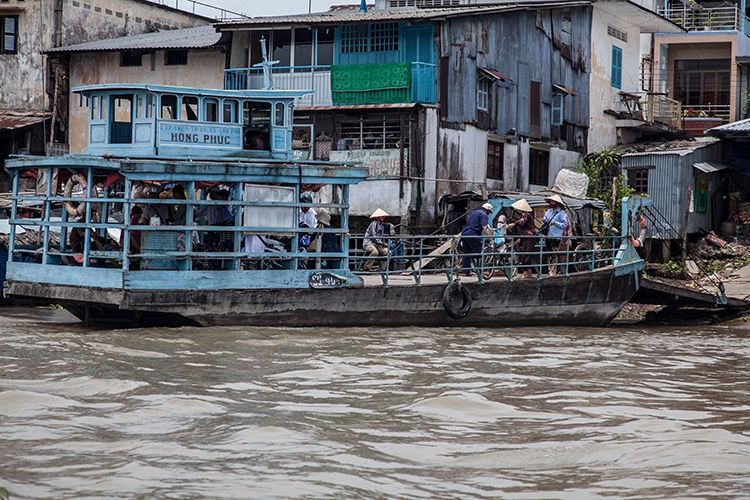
(557, 219)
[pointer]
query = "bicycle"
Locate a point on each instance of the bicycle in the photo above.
(594, 252)
(499, 254)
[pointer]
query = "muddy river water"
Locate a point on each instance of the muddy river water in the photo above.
(410, 413)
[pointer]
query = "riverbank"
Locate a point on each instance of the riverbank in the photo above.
(733, 273)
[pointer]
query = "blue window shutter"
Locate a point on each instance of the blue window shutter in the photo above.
(616, 67)
(426, 45)
(557, 109)
(410, 46)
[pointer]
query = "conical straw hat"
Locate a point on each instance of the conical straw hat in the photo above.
(522, 205)
(556, 198)
(379, 213)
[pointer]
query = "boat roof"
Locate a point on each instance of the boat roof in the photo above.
(257, 94)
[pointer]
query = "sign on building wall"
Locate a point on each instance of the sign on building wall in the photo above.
(199, 135)
(382, 163)
(701, 195)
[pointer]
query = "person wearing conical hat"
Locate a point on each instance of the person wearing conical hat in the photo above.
(558, 222)
(373, 243)
(526, 229)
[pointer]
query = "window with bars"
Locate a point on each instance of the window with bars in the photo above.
(8, 34)
(539, 167)
(371, 134)
(354, 39)
(495, 152)
(130, 59)
(175, 57)
(379, 37)
(638, 179)
(384, 37)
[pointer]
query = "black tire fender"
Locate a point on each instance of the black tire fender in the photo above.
(450, 308)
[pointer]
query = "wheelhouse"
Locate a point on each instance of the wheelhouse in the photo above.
(180, 122)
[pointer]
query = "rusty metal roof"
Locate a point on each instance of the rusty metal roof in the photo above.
(189, 38)
(12, 120)
(337, 17)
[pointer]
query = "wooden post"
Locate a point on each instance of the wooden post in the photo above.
(683, 236)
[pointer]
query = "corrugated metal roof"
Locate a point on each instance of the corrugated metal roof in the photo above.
(12, 120)
(740, 129)
(188, 38)
(354, 16)
(710, 166)
(680, 148)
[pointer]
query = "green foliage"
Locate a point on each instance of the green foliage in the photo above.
(603, 169)
(674, 267)
(4, 495)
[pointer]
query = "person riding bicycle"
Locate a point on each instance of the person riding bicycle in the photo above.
(373, 243)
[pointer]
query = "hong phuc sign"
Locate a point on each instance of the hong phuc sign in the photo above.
(199, 135)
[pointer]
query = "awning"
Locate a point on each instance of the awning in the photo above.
(709, 167)
(562, 89)
(403, 105)
(494, 75)
(12, 120)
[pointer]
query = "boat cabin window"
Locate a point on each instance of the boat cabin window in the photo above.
(279, 112)
(168, 107)
(256, 114)
(98, 108)
(94, 107)
(189, 107)
(256, 117)
(230, 111)
(211, 110)
(143, 105)
(121, 128)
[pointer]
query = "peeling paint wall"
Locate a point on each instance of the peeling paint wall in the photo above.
(602, 130)
(205, 69)
(23, 75)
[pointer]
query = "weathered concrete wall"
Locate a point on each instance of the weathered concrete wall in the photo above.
(462, 158)
(23, 76)
(602, 130)
(86, 20)
(205, 69)
(367, 196)
(429, 134)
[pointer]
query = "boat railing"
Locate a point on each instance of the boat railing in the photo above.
(416, 256)
(202, 247)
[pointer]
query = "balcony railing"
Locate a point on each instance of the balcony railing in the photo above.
(662, 109)
(704, 19)
(655, 108)
(317, 79)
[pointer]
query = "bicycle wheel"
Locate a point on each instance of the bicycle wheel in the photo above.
(581, 259)
(489, 261)
(407, 246)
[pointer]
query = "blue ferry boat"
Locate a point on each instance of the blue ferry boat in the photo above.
(185, 210)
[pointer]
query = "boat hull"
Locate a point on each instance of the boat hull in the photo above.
(579, 299)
